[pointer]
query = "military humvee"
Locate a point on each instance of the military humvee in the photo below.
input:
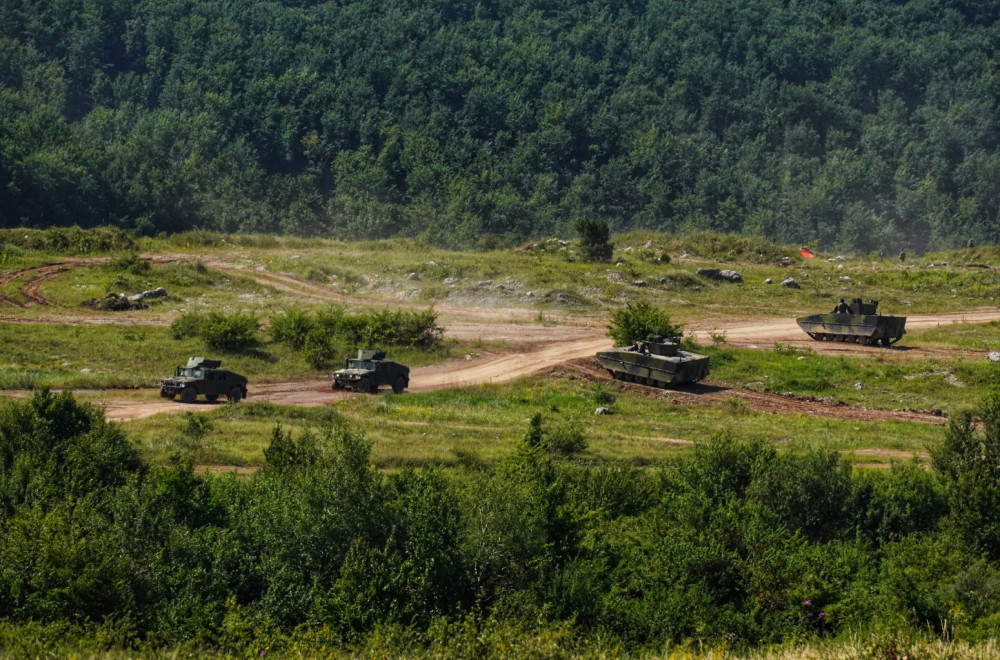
(369, 371)
(203, 376)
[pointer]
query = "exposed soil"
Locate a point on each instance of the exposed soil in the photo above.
(716, 394)
(533, 347)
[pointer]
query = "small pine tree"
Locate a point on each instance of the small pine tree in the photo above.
(594, 235)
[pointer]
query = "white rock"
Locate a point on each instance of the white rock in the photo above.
(603, 411)
(415, 276)
(993, 356)
(858, 386)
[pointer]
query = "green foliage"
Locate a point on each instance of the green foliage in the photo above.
(131, 264)
(814, 124)
(233, 332)
(187, 325)
(969, 461)
(71, 240)
(287, 453)
(292, 327)
(565, 438)
(594, 236)
(733, 544)
(196, 426)
(314, 332)
(603, 395)
(640, 320)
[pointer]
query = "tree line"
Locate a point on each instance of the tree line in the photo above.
(858, 124)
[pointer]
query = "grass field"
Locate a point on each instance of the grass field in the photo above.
(105, 357)
(483, 424)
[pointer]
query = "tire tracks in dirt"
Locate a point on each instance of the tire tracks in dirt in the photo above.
(536, 347)
(716, 394)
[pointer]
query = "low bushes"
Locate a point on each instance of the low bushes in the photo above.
(734, 545)
(233, 332)
(320, 335)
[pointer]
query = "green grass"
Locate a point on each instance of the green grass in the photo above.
(971, 336)
(103, 357)
(887, 380)
(187, 284)
(381, 270)
(483, 424)
(558, 280)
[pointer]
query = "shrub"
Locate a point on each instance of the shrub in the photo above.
(317, 349)
(236, 332)
(603, 396)
(565, 438)
(195, 426)
(292, 327)
(594, 235)
(187, 325)
(130, 263)
(640, 320)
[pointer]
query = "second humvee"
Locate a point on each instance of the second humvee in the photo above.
(369, 371)
(202, 376)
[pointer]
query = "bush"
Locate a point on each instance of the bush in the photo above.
(187, 325)
(130, 263)
(603, 396)
(594, 235)
(317, 349)
(565, 438)
(640, 320)
(292, 327)
(236, 332)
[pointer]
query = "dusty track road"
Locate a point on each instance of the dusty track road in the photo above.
(539, 347)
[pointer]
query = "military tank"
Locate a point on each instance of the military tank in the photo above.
(658, 362)
(858, 322)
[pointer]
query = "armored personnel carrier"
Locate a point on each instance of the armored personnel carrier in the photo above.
(857, 322)
(204, 377)
(658, 362)
(369, 371)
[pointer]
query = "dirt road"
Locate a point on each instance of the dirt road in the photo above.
(534, 346)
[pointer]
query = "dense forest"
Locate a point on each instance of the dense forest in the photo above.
(733, 545)
(857, 124)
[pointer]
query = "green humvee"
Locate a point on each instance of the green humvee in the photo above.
(369, 371)
(203, 376)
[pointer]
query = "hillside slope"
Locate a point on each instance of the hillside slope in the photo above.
(860, 125)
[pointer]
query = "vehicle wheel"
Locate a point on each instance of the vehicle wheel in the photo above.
(365, 385)
(166, 395)
(211, 398)
(188, 395)
(399, 385)
(235, 395)
(337, 385)
(886, 342)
